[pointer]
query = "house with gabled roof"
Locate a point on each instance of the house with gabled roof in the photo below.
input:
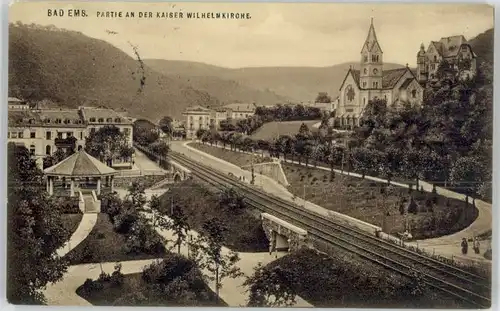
(371, 82)
(453, 50)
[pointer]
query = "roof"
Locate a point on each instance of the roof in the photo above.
(389, 77)
(241, 107)
(449, 46)
(406, 83)
(67, 118)
(371, 39)
(80, 164)
(103, 113)
(197, 108)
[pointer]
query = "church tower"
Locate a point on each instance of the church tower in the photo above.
(371, 62)
(422, 72)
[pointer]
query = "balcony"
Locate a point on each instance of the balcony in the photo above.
(69, 142)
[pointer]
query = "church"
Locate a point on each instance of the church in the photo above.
(396, 86)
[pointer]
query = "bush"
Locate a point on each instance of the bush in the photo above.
(111, 204)
(68, 205)
(144, 239)
(117, 276)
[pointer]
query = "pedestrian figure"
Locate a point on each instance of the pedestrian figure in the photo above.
(476, 245)
(465, 246)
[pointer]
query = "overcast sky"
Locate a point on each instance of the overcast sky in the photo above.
(278, 34)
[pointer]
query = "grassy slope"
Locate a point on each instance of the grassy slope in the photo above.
(237, 158)
(245, 231)
(73, 69)
(348, 281)
(71, 222)
(272, 130)
(103, 245)
(360, 199)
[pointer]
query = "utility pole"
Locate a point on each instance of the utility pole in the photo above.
(253, 171)
(304, 195)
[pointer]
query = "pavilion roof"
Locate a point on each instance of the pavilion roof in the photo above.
(80, 164)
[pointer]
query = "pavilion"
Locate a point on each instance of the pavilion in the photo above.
(82, 168)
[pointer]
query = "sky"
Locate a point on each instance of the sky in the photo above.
(278, 34)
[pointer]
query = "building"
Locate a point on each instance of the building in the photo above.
(453, 50)
(44, 131)
(17, 104)
(239, 111)
(97, 118)
(197, 118)
(371, 82)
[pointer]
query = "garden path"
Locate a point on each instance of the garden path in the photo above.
(82, 231)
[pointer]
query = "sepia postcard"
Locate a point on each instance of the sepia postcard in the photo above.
(250, 154)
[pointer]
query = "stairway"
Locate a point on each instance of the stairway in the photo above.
(89, 204)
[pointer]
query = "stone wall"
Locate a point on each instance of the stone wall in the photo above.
(147, 180)
(272, 170)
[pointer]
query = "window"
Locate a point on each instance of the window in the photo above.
(364, 101)
(32, 134)
(375, 58)
(59, 135)
(375, 85)
(31, 121)
(81, 135)
(92, 130)
(364, 84)
(100, 120)
(92, 119)
(20, 135)
(366, 58)
(8, 134)
(414, 93)
(375, 71)
(32, 150)
(117, 120)
(47, 150)
(109, 120)
(385, 97)
(435, 58)
(47, 120)
(58, 121)
(365, 71)
(14, 134)
(69, 134)
(126, 131)
(67, 121)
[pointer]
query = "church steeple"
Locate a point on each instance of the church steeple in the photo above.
(371, 61)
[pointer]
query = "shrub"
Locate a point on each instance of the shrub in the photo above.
(143, 238)
(117, 276)
(68, 205)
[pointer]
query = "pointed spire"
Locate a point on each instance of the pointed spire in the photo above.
(371, 39)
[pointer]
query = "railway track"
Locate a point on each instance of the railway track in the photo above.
(471, 288)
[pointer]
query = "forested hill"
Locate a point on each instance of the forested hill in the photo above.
(72, 69)
(482, 45)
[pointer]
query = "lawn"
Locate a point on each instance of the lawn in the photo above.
(104, 245)
(237, 158)
(245, 233)
(347, 281)
(175, 281)
(71, 222)
(272, 130)
(361, 199)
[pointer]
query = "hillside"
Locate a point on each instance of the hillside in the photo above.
(272, 130)
(482, 45)
(297, 83)
(72, 69)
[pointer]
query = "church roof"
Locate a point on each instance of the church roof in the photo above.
(80, 164)
(406, 83)
(389, 77)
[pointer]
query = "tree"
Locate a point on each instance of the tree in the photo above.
(207, 252)
(179, 225)
(166, 125)
(137, 194)
(155, 203)
(323, 98)
(271, 287)
(34, 231)
(467, 173)
(232, 200)
(363, 160)
(106, 144)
